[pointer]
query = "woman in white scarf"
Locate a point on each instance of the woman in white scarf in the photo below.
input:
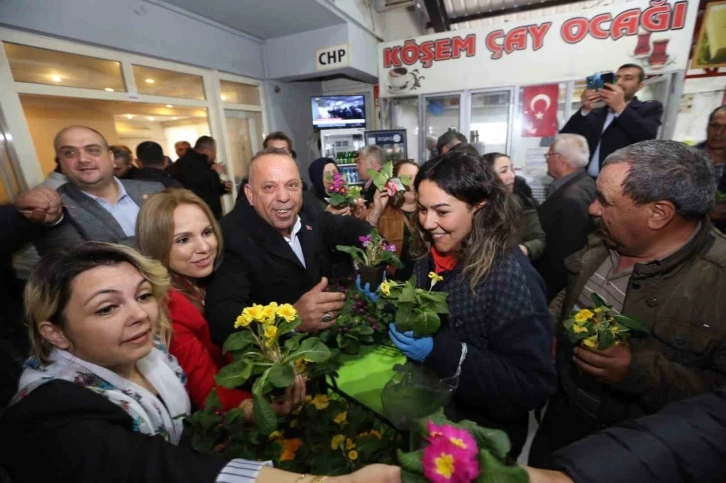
(96, 321)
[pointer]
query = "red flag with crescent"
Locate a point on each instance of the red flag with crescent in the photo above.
(539, 118)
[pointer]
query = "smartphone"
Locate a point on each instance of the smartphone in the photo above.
(598, 80)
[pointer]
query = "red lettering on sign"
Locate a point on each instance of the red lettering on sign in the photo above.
(516, 39)
(427, 54)
(626, 23)
(443, 49)
(391, 57)
(596, 28)
(573, 30)
(467, 44)
(538, 33)
(409, 52)
(656, 19)
(494, 47)
(679, 15)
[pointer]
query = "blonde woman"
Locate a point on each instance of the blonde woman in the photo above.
(101, 399)
(179, 230)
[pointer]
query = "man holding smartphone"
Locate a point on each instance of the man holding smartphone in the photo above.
(622, 121)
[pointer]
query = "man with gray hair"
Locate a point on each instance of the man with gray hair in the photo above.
(448, 140)
(369, 157)
(656, 258)
(564, 215)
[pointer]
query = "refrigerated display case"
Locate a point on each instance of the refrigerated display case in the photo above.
(342, 145)
(392, 141)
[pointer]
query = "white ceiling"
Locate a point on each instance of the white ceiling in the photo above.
(263, 18)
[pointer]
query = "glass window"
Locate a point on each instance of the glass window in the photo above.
(244, 134)
(237, 93)
(441, 114)
(43, 66)
(404, 115)
(489, 123)
(160, 82)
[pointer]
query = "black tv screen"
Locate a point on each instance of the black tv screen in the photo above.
(335, 112)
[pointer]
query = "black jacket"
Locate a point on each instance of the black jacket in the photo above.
(505, 323)
(684, 443)
(260, 267)
(63, 432)
(192, 170)
(565, 219)
(153, 174)
(639, 121)
(16, 231)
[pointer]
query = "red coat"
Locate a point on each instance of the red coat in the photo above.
(197, 355)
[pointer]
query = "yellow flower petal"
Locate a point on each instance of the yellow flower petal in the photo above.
(590, 341)
(321, 401)
(337, 441)
(583, 315)
(353, 455)
(341, 418)
(270, 331)
(349, 444)
(386, 288)
(241, 321)
(578, 328)
(287, 312)
(445, 465)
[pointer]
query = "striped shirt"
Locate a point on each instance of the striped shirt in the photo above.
(607, 283)
(241, 471)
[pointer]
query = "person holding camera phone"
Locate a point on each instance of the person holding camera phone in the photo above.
(622, 121)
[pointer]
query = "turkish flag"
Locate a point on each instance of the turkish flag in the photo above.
(539, 118)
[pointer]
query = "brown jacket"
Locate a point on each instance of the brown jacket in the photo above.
(682, 300)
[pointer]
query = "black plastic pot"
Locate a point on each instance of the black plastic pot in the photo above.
(371, 275)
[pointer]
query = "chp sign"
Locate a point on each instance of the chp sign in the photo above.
(333, 57)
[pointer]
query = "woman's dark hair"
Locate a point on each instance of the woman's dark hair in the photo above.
(50, 286)
(316, 170)
(491, 158)
(522, 191)
(466, 178)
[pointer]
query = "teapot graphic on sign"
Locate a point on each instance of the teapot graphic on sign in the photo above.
(400, 79)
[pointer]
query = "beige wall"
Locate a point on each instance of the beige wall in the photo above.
(44, 124)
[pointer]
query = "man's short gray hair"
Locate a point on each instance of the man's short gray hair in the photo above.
(667, 170)
(449, 139)
(373, 152)
(573, 148)
(266, 152)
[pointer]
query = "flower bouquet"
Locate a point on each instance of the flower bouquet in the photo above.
(373, 258)
(599, 328)
(259, 352)
(416, 309)
(327, 435)
(341, 194)
(459, 453)
(384, 180)
(359, 322)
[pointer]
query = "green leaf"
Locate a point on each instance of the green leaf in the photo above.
(213, 401)
(366, 330)
(356, 253)
(312, 350)
(491, 470)
(404, 319)
(632, 323)
(286, 327)
(261, 385)
(293, 342)
(493, 440)
(599, 301)
(281, 375)
(411, 461)
(234, 374)
(352, 346)
(238, 341)
(426, 323)
(408, 477)
(405, 180)
(408, 294)
(606, 339)
(264, 416)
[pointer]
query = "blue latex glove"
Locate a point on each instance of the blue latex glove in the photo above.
(416, 349)
(371, 295)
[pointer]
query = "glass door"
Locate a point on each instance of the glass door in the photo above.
(244, 136)
(404, 115)
(441, 113)
(489, 120)
(10, 185)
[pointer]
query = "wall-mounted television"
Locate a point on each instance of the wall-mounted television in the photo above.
(336, 112)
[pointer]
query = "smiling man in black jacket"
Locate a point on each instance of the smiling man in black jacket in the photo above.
(277, 249)
(624, 120)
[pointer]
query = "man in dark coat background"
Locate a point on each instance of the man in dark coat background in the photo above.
(624, 120)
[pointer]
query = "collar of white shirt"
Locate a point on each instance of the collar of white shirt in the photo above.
(121, 193)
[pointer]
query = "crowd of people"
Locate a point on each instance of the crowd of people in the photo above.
(142, 277)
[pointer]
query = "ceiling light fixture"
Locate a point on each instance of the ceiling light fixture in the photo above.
(169, 106)
(56, 78)
(129, 116)
(224, 98)
(149, 81)
(174, 118)
(108, 89)
(150, 118)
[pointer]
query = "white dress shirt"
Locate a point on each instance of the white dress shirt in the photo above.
(294, 241)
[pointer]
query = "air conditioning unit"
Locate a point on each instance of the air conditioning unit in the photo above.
(382, 5)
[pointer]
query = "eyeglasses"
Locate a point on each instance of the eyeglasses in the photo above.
(717, 127)
(547, 155)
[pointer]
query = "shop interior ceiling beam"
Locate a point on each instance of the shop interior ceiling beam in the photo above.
(438, 17)
(515, 8)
